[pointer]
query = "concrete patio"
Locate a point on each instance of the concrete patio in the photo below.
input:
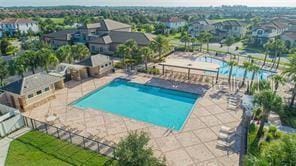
(195, 144)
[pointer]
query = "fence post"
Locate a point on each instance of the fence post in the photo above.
(58, 133)
(83, 141)
(32, 123)
(98, 147)
(70, 137)
(46, 128)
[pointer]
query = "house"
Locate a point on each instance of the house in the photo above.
(22, 25)
(290, 38)
(32, 90)
(173, 23)
(266, 31)
(97, 65)
(229, 28)
(1, 32)
(102, 37)
(197, 26)
(107, 44)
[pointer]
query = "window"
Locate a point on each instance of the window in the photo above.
(106, 65)
(39, 92)
(102, 66)
(46, 89)
(109, 63)
(30, 95)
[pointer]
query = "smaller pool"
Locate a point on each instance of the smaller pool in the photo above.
(238, 72)
(159, 106)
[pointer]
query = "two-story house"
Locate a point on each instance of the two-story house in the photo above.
(22, 25)
(102, 37)
(173, 23)
(229, 28)
(266, 31)
(198, 26)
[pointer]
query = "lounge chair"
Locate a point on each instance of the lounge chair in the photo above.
(227, 130)
(225, 136)
(225, 143)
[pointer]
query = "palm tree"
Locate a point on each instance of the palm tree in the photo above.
(160, 44)
(267, 47)
(121, 51)
(185, 39)
(290, 72)
(65, 54)
(246, 66)
(80, 51)
(278, 80)
(205, 38)
(269, 102)
(19, 66)
(229, 41)
(3, 71)
(146, 55)
(48, 58)
(255, 70)
(31, 60)
(280, 47)
(231, 64)
(131, 47)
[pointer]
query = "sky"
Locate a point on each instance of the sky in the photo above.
(169, 3)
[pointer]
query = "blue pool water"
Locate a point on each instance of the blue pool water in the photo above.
(159, 106)
(237, 72)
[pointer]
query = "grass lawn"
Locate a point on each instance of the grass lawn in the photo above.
(55, 20)
(36, 148)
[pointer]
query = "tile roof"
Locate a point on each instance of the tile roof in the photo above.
(172, 19)
(31, 83)
(95, 60)
(17, 21)
(229, 23)
(61, 35)
(107, 25)
(122, 37)
(290, 34)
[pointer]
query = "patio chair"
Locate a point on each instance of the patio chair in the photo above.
(225, 143)
(228, 130)
(225, 136)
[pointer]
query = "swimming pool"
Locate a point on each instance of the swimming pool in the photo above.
(159, 106)
(237, 72)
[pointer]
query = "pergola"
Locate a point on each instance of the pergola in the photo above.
(185, 64)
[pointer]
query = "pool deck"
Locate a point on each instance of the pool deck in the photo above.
(195, 144)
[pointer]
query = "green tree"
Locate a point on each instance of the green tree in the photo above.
(19, 66)
(290, 72)
(255, 69)
(278, 80)
(4, 45)
(267, 47)
(31, 60)
(160, 44)
(185, 39)
(231, 64)
(47, 58)
(146, 53)
(229, 41)
(64, 54)
(269, 102)
(134, 151)
(246, 66)
(79, 51)
(3, 71)
(205, 37)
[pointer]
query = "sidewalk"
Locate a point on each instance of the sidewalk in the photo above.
(5, 142)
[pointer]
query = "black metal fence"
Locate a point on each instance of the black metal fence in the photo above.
(90, 143)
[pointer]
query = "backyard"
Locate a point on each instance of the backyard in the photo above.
(37, 148)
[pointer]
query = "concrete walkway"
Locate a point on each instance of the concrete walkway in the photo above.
(5, 142)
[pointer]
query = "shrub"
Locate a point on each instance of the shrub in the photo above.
(252, 128)
(134, 150)
(272, 129)
(118, 65)
(269, 137)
